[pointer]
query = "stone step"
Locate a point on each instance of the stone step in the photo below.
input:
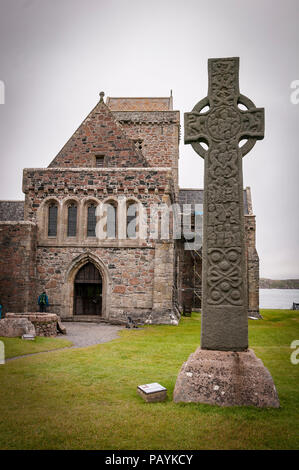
(86, 318)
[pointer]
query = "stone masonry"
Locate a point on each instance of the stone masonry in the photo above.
(18, 242)
(45, 324)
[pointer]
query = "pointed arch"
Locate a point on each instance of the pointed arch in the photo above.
(71, 273)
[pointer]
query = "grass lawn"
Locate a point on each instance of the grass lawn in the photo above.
(86, 398)
(18, 347)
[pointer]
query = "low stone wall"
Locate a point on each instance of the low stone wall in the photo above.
(45, 323)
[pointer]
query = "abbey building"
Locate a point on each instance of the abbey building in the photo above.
(124, 155)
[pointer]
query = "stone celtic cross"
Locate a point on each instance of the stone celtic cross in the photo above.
(222, 127)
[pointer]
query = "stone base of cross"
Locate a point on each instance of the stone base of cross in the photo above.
(223, 370)
(225, 378)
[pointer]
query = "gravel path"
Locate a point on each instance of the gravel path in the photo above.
(83, 334)
(86, 334)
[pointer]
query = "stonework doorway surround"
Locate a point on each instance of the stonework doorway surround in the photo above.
(86, 267)
(88, 288)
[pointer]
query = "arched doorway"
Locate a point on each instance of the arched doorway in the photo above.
(88, 288)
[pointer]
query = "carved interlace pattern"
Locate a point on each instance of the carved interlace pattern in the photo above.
(224, 226)
(224, 276)
(222, 127)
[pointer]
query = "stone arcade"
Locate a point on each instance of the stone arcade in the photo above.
(125, 153)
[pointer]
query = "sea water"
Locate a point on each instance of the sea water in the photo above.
(278, 298)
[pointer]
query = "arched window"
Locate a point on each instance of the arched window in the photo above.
(132, 213)
(72, 220)
(91, 220)
(111, 220)
(52, 219)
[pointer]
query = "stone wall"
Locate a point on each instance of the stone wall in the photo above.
(252, 260)
(164, 310)
(157, 133)
(148, 185)
(132, 284)
(45, 324)
(187, 279)
(18, 266)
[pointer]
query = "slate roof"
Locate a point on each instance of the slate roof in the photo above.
(11, 211)
(195, 196)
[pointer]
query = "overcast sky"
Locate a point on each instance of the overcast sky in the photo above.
(57, 55)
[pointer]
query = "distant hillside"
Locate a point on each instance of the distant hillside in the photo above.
(275, 284)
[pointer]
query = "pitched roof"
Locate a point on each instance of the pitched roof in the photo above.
(99, 134)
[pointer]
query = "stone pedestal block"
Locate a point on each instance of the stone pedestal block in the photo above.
(225, 378)
(14, 327)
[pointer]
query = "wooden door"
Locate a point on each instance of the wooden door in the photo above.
(88, 291)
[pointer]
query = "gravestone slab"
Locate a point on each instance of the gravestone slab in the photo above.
(224, 272)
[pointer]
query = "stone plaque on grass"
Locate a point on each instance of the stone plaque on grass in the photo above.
(152, 392)
(28, 337)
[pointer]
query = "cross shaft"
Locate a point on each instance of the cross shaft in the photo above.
(222, 127)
